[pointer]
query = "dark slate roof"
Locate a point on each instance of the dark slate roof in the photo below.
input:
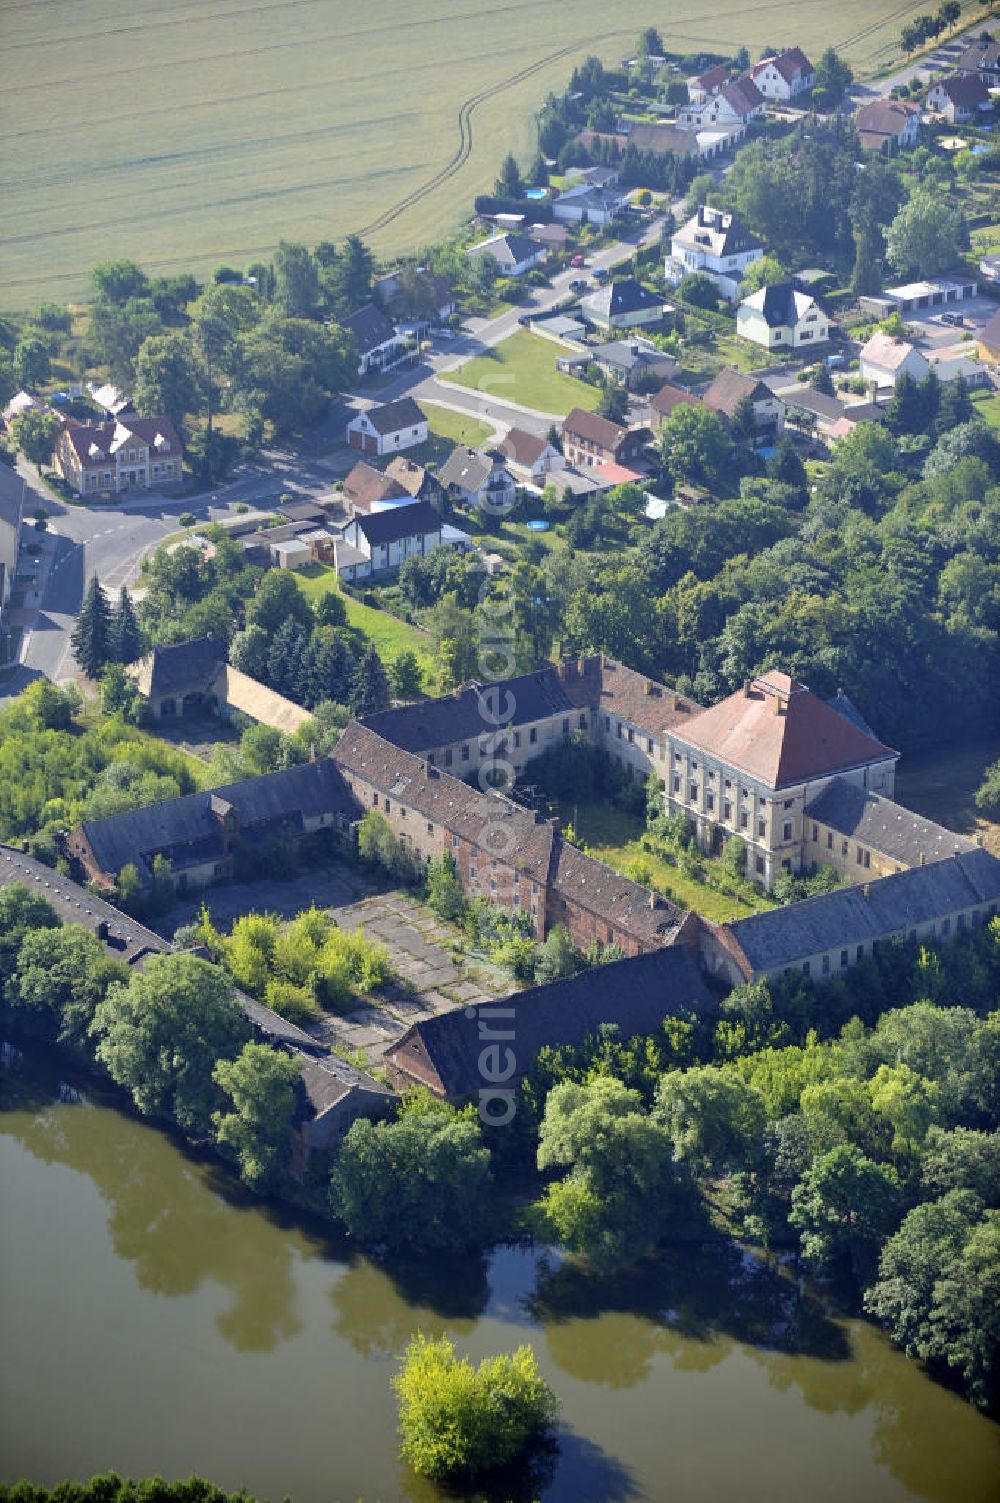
(877, 910)
(394, 416)
(399, 522)
(635, 994)
(780, 306)
(615, 299)
(275, 1029)
(884, 825)
(186, 830)
(328, 1080)
(302, 511)
(468, 469)
(75, 905)
(370, 328)
(844, 705)
(183, 668)
(433, 723)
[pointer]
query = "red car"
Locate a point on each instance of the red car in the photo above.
(578, 261)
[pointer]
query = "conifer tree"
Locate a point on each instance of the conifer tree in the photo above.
(126, 638)
(369, 686)
(92, 639)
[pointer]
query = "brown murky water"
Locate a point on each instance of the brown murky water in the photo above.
(153, 1319)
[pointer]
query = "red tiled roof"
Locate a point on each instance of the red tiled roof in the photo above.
(787, 63)
(590, 425)
(777, 731)
(668, 397)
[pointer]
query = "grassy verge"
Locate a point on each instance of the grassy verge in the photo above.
(522, 369)
(458, 427)
(390, 635)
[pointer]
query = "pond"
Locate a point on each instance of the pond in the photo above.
(157, 1319)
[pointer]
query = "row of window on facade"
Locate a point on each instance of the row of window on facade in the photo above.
(501, 748)
(962, 922)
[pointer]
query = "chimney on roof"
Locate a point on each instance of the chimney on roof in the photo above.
(923, 858)
(652, 900)
(647, 687)
(779, 706)
(746, 688)
(866, 891)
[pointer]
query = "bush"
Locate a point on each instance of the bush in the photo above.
(458, 1419)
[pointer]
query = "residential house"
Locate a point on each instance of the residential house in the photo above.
(367, 489)
(860, 834)
(378, 344)
(383, 540)
(389, 428)
(825, 935)
(888, 125)
(596, 177)
(780, 318)
(415, 479)
(589, 439)
(989, 339)
(202, 835)
(705, 85)
(480, 478)
(12, 497)
(590, 205)
(785, 75)
(514, 254)
(716, 243)
(737, 102)
(731, 387)
(989, 268)
(415, 296)
(622, 303)
(886, 357)
(982, 57)
(131, 454)
(663, 402)
(959, 98)
(662, 140)
(444, 1053)
(552, 236)
(631, 362)
(529, 457)
(749, 766)
(21, 401)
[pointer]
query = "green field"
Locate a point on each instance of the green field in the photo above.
(390, 635)
(185, 135)
(522, 369)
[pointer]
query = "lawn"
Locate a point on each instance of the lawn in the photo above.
(229, 128)
(522, 369)
(988, 407)
(390, 635)
(457, 427)
(613, 836)
(942, 786)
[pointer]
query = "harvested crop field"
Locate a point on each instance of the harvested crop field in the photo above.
(187, 134)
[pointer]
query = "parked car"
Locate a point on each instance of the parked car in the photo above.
(524, 320)
(599, 273)
(445, 333)
(578, 284)
(955, 319)
(578, 261)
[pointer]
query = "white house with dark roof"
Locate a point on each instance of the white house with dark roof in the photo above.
(479, 477)
(781, 318)
(588, 204)
(982, 56)
(388, 429)
(134, 453)
(380, 541)
(784, 75)
(622, 303)
(514, 254)
(960, 98)
(716, 243)
(730, 387)
(377, 342)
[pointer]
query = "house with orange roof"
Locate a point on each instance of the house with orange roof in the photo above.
(750, 765)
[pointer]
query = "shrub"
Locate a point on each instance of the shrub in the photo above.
(456, 1418)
